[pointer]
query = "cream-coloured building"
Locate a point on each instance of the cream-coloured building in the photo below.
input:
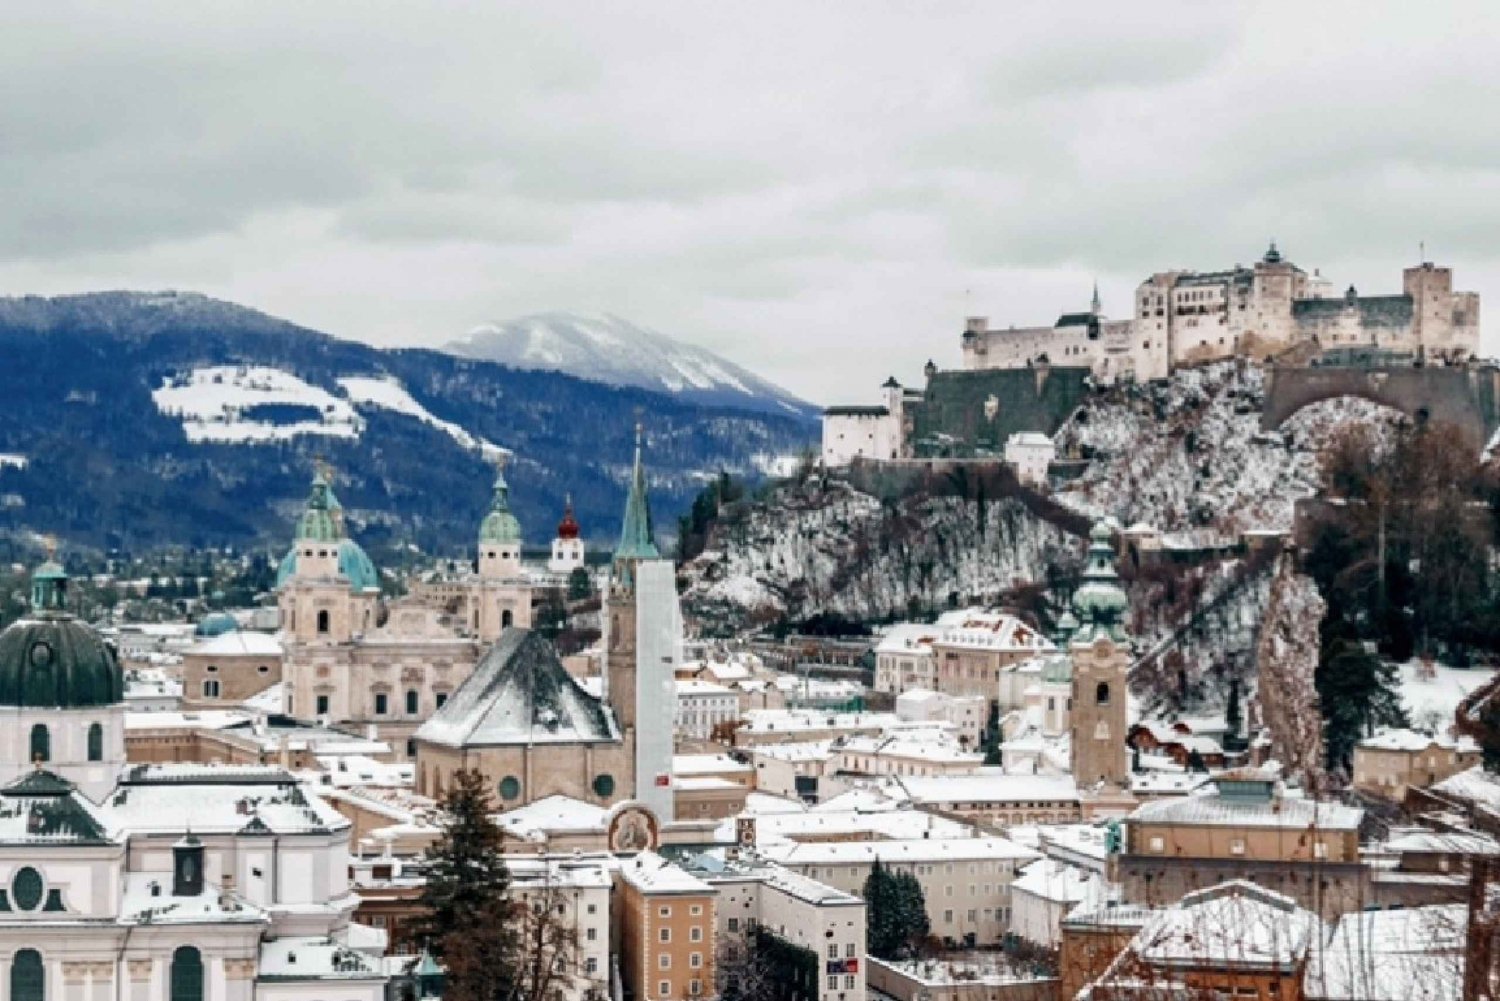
(1390, 763)
(1184, 317)
(353, 660)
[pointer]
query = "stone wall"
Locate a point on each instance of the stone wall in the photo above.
(1467, 397)
(973, 413)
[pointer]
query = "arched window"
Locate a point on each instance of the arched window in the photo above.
(1101, 694)
(41, 743)
(323, 621)
(96, 742)
(187, 974)
(506, 618)
(413, 700)
(210, 688)
(28, 981)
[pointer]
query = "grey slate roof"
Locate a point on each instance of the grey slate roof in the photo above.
(519, 694)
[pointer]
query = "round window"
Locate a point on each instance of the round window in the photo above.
(26, 889)
(41, 655)
(510, 787)
(604, 785)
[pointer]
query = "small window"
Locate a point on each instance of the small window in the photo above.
(510, 787)
(263, 669)
(441, 699)
(323, 621)
(695, 960)
(413, 701)
(664, 961)
(381, 703)
(664, 988)
(96, 742)
(1101, 693)
(665, 935)
(1158, 845)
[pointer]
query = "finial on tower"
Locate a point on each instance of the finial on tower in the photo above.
(1097, 307)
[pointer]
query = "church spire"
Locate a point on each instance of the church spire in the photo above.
(637, 540)
(1095, 304)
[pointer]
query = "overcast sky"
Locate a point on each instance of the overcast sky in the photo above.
(819, 191)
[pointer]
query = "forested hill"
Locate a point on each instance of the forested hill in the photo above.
(140, 420)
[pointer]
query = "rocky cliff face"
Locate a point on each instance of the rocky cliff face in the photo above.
(820, 546)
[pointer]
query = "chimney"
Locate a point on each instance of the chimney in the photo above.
(226, 893)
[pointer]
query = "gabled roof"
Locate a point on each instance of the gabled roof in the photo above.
(1237, 924)
(41, 807)
(519, 694)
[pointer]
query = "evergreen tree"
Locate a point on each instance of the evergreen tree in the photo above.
(469, 924)
(1357, 693)
(991, 743)
(895, 913)
(579, 585)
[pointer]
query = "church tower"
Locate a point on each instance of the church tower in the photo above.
(328, 587)
(567, 548)
(502, 596)
(1101, 668)
(644, 644)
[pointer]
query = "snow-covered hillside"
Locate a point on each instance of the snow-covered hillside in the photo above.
(254, 404)
(615, 351)
(828, 548)
(1188, 455)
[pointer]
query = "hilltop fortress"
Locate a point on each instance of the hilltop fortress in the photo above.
(1186, 317)
(1018, 384)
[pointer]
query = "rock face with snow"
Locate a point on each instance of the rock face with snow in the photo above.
(1188, 456)
(823, 547)
(137, 419)
(615, 351)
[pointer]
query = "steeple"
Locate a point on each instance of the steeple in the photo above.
(1094, 304)
(323, 518)
(1100, 603)
(637, 541)
(500, 526)
(49, 583)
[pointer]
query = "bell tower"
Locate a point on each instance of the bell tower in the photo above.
(637, 544)
(1101, 672)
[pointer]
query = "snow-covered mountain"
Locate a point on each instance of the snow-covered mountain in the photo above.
(615, 351)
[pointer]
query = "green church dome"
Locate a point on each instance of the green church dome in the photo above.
(50, 660)
(1100, 603)
(216, 624)
(354, 566)
(500, 526)
(323, 521)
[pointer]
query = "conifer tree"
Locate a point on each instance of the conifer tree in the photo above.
(469, 925)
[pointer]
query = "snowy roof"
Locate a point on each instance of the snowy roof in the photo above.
(552, 813)
(148, 899)
(1167, 783)
(993, 631)
(1237, 924)
(896, 852)
(519, 693)
(238, 644)
(1049, 879)
(692, 686)
(908, 637)
(764, 804)
(286, 959)
(810, 750)
(802, 720)
(650, 873)
(990, 785)
(219, 800)
(43, 808)
(1410, 954)
(933, 747)
(1411, 740)
(1218, 811)
(1460, 843)
(706, 764)
(891, 825)
(198, 719)
(1472, 786)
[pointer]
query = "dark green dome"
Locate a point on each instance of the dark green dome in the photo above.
(216, 624)
(55, 661)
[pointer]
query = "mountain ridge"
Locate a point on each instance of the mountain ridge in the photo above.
(607, 348)
(110, 461)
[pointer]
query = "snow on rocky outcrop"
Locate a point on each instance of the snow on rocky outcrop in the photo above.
(1188, 455)
(1287, 657)
(824, 547)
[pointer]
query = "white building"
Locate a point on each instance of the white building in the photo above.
(798, 910)
(1030, 454)
(967, 714)
(176, 882)
(1043, 894)
(702, 706)
(861, 432)
(903, 657)
(567, 547)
